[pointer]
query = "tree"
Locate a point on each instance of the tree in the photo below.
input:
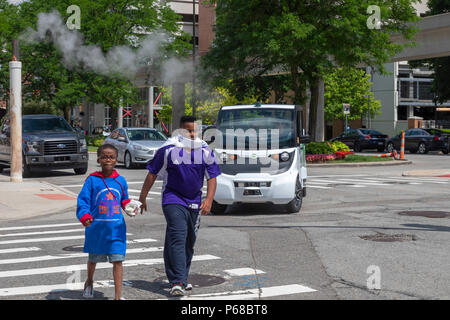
(105, 25)
(352, 86)
(303, 39)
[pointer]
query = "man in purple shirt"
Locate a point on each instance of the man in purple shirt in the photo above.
(182, 162)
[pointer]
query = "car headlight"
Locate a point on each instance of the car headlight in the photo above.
(284, 156)
(140, 148)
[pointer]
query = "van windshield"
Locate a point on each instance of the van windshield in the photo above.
(45, 124)
(257, 128)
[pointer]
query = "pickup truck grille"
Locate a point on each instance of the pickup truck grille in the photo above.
(60, 147)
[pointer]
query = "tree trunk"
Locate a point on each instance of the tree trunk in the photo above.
(317, 109)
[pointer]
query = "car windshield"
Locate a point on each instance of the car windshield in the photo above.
(370, 131)
(152, 135)
(45, 124)
(257, 128)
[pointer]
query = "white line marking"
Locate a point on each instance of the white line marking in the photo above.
(72, 255)
(40, 232)
(81, 267)
(364, 182)
(55, 288)
(139, 191)
(319, 187)
(243, 271)
(61, 238)
(20, 250)
(40, 226)
(252, 293)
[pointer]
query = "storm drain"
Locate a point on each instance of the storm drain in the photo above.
(427, 214)
(389, 237)
(76, 248)
(199, 280)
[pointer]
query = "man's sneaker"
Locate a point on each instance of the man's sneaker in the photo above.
(177, 289)
(188, 287)
(88, 292)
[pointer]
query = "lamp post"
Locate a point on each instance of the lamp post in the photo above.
(194, 107)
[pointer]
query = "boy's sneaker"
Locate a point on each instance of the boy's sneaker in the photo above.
(88, 292)
(177, 289)
(188, 287)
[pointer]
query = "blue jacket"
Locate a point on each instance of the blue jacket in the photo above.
(100, 200)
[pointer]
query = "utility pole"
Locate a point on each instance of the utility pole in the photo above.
(15, 111)
(194, 107)
(150, 106)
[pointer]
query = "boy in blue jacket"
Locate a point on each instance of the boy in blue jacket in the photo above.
(98, 209)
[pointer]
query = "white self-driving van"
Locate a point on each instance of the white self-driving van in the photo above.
(261, 153)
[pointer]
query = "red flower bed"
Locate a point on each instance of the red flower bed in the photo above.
(342, 154)
(319, 157)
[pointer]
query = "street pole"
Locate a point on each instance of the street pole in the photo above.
(15, 105)
(120, 114)
(150, 106)
(194, 107)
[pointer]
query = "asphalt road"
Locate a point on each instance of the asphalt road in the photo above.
(348, 242)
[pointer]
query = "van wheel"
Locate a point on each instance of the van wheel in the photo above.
(218, 208)
(296, 204)
(81, 170)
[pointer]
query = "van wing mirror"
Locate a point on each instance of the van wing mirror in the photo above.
(304, 139)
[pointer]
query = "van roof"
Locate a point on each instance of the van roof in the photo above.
(263, 106)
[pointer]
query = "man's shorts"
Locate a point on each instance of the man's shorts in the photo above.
(95, 258)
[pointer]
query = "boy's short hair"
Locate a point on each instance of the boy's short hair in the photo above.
(106, 146)
(185, 119)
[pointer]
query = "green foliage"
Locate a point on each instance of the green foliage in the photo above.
(340, 146)
(320, 148)
(39, 107)
(349, 85)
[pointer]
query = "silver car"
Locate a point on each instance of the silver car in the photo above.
(136, 145)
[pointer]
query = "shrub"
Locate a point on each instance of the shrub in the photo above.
(320, 148)
(340, 146)
(98, 142)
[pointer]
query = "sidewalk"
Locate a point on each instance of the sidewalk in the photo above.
(32, 199)
(443, 173)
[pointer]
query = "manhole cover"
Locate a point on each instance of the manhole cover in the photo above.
(427, 214)
(199, 280)
(77, 247)
(390, 237)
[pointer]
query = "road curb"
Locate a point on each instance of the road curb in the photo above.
(360, 164)
(426, 173)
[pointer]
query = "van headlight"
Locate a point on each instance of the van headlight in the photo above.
(284, 156)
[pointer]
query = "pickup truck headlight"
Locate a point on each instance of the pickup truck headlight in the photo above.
(83, 145)
(32, 147)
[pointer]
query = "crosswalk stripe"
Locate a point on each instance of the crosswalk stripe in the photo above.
(73, 255)
(81, 267)
(57, 239)
(363, 182)
(40, 232)
(15, 250)
(318, 187)
(40, 226)
(252, 293)
(54, 288)
(243, 271)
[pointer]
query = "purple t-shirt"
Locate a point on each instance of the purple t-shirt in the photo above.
(183, 174)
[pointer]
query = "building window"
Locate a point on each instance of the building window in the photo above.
(127, 119)
(107, 121)
(402, 113)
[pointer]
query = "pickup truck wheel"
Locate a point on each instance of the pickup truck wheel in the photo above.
(26, 170)
(81, 170)
(218, 208)
(296, 204)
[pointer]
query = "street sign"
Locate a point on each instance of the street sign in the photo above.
(346, 107)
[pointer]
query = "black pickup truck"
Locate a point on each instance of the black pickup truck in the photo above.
(48, 142)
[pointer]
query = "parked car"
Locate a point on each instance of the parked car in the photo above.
(420, 141)
(360, 139)
(136, 145)
(48, 142)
